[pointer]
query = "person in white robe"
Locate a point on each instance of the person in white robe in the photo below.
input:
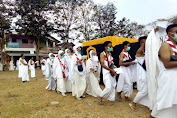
(93, 69)
(68, 57)
(109, 80)
(49, 73)
(142, 85)
(152, 45)
(60, 72)
(166, 98)
(43, 67)
(77, 73)
(24, 69)
(31, 64)
(19, 68)
(125, 80)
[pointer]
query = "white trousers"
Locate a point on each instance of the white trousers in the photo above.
(33, 73)
(109, 90)
(142, 93)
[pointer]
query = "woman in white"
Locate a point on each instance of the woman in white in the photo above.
(60, 72)
(43, 67)
(93, 68)
(19, 68)
(77, 73)
(32, 67)
(24, 69)
(68, 57)
(49, 73)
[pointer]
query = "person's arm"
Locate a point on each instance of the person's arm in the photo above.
(139, 52)
(121, 63)
(23, 62)
(104, 66)
(31, 62)
(165, 56)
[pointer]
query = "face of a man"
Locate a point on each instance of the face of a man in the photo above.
(126, 46)
(143, 41)
(172, 33)
(109, 46)
(23, 57)
(32, 58)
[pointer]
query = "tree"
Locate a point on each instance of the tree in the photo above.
(33, 19)
(66, 16)
(87, 24)
(105, 18)
(6, 15)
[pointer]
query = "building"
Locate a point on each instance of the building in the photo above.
(21, 44)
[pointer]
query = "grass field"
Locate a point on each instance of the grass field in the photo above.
(32, 100)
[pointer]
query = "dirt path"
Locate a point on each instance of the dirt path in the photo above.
(31, 100)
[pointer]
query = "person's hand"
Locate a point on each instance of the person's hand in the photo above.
(92, 69)
(133, 63)
(114, 72)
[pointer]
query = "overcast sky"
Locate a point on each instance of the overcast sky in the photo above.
(143, 11)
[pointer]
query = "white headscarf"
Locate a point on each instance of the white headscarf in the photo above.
(59, 52)
(66, 52)
(90, 53)
(50, 54)
(76, 46)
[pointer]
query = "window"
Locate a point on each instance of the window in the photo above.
(14, 40)
(24, 40)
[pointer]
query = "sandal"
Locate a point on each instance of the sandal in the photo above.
(132, 107)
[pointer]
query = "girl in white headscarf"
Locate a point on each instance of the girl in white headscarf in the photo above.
(68, 57)
(49, 73)
(60, 72)
(93, 73)
(77, 73)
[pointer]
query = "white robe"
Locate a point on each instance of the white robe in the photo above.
(109, 82)
(49, 75)
(166, 99)
(153, 44)
(77, 78)
(93, 77)
(57, 73)
(32, 68)
(142, 85)
(68, 82)
(125, 81)
(24, 71)
(43, 67)
(19, 69)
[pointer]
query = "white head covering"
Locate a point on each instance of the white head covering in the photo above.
(90, 53)
(66, 52)
(59, 52)
(76, 46)
(50, 54)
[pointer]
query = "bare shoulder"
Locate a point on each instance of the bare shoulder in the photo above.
(165, 46)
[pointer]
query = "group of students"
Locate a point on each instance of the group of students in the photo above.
(23, 67)
(67, 72)
(156, 73)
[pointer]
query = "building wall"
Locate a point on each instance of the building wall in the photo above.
(19, 41)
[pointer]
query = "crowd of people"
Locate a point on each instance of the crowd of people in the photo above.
(154, 70)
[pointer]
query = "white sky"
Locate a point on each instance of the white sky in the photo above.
(143, 11)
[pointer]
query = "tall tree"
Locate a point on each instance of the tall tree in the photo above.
(33, 19)
(6, 15)
(66, 17)
(105, 18)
